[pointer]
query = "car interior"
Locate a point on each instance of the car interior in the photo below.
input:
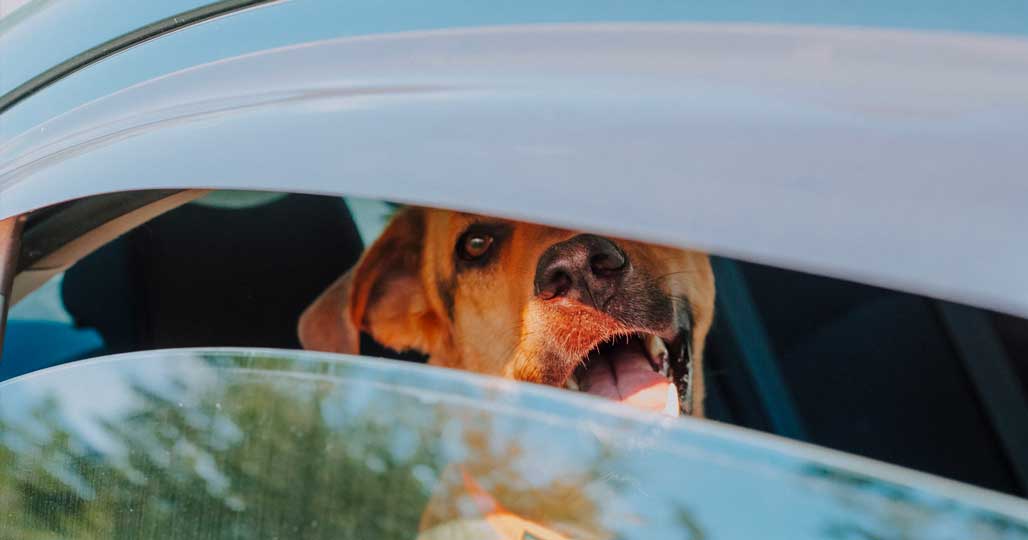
(879, 373)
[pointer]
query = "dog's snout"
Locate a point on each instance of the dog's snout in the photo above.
(587, 268)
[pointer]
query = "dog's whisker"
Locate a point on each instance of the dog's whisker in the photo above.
(669, 274)
(520, 341)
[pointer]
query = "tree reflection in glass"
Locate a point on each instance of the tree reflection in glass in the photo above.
(211, 444)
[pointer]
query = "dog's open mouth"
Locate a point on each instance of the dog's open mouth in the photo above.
(642, 370)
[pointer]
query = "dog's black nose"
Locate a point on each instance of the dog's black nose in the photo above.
(587, 268)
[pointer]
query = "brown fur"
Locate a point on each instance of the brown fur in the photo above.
(407, 293)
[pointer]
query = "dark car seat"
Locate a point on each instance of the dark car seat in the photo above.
(205, 275)
(870, 371)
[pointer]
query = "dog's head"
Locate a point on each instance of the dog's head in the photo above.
(617, 318)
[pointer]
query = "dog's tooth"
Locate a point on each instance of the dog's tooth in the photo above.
(656, 349)
(571, 384)
(671, 407)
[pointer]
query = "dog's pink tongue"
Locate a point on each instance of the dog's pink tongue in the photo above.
(624, 374)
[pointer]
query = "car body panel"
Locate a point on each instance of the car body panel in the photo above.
(891, 158)
(26, 29)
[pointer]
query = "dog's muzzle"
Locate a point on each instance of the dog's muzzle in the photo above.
(645, 358)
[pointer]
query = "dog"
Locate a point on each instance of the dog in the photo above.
(612, 317)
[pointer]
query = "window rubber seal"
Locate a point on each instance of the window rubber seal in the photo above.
(120, 43)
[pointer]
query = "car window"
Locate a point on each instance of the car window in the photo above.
(223, 443)
(41, 333)
(879, 373)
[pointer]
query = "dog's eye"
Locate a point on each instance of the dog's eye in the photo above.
(474, 245)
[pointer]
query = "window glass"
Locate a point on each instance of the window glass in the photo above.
(41, 333)
(242, 444)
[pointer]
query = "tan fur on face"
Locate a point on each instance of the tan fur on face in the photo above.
(494, 324)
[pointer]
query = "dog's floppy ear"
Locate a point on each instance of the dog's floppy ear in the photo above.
(325, 324)
(382, 295)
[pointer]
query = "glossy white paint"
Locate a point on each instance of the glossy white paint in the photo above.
(894, 158)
